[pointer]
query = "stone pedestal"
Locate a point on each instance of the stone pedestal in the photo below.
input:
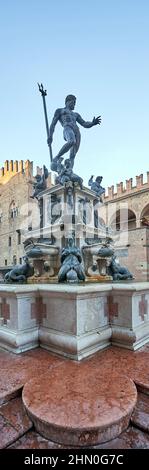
(18, 324)
(129, 314)
(74, 321)
(75, 324)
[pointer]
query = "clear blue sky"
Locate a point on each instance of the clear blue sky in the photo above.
(97, 50)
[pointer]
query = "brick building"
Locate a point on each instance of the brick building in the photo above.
(17, 210)
(126, 212)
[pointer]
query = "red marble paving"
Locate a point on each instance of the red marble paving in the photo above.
(14, 422)
(131, 439)
(140, 416)
(16, 370)
(74, 405)
(7, 433)
(14, 413)
(2, 422)
(135, 364)
(33, 440)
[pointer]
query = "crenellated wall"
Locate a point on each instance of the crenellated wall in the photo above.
(124, 190)
(136, 198)
(11, 168)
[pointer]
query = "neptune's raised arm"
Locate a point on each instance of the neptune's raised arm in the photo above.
(88, 124)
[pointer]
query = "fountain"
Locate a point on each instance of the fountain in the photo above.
(67, 296)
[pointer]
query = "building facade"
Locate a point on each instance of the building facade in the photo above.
(17, 210)
(126, 212)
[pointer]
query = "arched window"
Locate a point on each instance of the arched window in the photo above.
(18, 237)
(13, 210)
(123, 219)
(144, 219)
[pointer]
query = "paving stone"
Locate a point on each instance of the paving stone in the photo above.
(33, 440)
(2, 422)
(74, 406)
(7, 433)
(16, 370)
(135, 364)
(133, 438)
(140, 416)
(16, 416)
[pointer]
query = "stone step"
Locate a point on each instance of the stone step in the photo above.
(74, 406)
(132, 438)
(18, 369)
(14, 422)
(33, 440)
(140, 415)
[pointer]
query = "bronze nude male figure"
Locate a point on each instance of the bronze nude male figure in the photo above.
(68, 119)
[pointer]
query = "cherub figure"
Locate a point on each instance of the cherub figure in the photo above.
(40, 183)
(96, 186)
(65, 174)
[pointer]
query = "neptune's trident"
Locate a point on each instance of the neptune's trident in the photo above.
(44, 94)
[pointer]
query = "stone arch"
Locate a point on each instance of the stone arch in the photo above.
(123, 219)
(144, 217)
